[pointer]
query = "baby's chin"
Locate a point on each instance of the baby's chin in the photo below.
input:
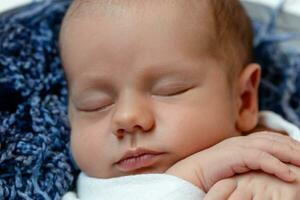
(148, 170)
(145, 170)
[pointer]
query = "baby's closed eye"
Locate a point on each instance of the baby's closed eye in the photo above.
(171, 89)
(93, 103)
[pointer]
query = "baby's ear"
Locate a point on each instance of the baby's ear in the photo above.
(248, 98)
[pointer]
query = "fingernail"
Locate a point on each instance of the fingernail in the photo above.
(292, 175)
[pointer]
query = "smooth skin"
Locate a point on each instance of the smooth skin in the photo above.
(139, 78)
(255, 186)
(263, 151)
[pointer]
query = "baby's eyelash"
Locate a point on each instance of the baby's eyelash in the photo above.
(94, 105)
(172, 91)
(177, 92)
(95, 109)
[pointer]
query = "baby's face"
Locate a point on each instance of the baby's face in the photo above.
(145, 83)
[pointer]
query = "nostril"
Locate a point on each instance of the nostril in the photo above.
(120, 133)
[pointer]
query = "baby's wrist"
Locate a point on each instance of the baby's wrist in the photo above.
(191, 176)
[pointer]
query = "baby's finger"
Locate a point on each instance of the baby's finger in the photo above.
(260, 160)
(277, 137)
(221, 190)
(283, 149)
(240, 194)
(284, 152)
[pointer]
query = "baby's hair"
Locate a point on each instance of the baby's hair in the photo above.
(233, 31)
(232, 26)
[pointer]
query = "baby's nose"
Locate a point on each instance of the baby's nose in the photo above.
(132, 115)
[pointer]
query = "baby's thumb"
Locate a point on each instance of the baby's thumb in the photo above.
(221, 190)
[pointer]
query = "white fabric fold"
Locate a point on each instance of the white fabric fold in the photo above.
(277, 123)
(137, 187)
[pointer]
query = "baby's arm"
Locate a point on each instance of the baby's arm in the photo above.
(272, 121)
(241, 186)
(265, 151)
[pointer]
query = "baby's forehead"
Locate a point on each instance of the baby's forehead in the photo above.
(220, 28)
(179, 16)
(193, 10)
(117, 4)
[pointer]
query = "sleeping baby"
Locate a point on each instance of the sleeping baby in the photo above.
(163, 104)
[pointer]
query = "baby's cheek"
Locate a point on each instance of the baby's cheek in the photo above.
(87, 151)
(79, 150)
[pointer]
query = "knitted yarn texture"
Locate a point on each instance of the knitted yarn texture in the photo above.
(34, 133)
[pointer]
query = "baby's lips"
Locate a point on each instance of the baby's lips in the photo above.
(136, 152)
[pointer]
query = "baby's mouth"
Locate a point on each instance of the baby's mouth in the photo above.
(138, 158)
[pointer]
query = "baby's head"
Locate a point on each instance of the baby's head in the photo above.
(163, 78)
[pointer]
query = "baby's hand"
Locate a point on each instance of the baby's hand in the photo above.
(265, 151)
(255, 185)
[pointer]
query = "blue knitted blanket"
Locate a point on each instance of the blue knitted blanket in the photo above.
(35, 161)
